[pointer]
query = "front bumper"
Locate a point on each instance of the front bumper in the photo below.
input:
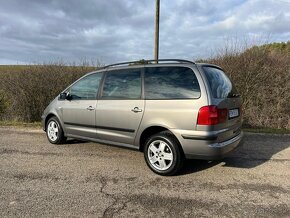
(43, 122)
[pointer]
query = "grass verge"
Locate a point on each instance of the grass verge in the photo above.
(267, 130)
(252, 130)
(21, 124)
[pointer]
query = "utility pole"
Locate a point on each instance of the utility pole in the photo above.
(156, 48)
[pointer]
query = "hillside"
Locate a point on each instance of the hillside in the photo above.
(276, 47)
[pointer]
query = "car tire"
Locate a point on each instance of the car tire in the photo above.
(163, 154)
(54, 131)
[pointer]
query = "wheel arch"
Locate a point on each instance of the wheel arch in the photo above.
(50, 115)
(152, 130)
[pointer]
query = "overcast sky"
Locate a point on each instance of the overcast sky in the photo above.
(37, 31)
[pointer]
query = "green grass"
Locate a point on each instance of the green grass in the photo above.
(21, 124)
(267, 130)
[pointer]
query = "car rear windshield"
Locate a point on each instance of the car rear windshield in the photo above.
(220, 85)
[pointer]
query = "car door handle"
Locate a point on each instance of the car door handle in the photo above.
(90, 108)
(136, 110)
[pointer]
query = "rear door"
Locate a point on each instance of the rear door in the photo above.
(120, 107)
(78, 113)
(223, 93)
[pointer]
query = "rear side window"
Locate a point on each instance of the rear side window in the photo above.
(86, 88)
(122, 84)
(220, 85)
(171, 83)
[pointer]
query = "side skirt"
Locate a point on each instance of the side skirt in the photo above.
(106, 142)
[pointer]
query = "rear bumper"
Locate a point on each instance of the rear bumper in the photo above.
(206, 147)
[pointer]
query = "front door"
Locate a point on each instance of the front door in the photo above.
(79, 112)
(79, 117)
(120, 108)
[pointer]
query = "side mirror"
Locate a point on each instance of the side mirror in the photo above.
(63, 96)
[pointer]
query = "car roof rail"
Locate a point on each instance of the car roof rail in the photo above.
(144, 62)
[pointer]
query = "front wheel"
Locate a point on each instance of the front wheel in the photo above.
(163, 154)
(54, 131)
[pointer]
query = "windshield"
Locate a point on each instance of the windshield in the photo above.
(220, 85)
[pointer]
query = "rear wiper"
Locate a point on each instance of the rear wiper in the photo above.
(233, 95)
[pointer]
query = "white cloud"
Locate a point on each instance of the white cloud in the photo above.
(121, 30)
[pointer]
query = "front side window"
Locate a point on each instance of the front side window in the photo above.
(122, 84)
(171, 83)
(86, 88)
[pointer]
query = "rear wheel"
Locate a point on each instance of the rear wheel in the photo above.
(54, 132)
(163, 154)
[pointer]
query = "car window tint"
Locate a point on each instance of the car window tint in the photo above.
(122, 84)
(220, 85)
(86, 88)
(171, 83)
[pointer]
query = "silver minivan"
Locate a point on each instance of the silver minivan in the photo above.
(170, 110)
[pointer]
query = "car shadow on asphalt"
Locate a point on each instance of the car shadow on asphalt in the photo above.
(259, 149)
(75, 141)
(256, 150)
(194, 166)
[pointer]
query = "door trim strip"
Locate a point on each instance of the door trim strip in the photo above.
(101, 127)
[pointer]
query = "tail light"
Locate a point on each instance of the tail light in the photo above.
(211, 115)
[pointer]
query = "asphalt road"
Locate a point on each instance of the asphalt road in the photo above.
(83, 179)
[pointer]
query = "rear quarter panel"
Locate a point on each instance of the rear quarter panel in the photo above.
(231, 127)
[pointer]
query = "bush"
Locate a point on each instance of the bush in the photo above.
(3, 104)
(262, 75)
(31, 88)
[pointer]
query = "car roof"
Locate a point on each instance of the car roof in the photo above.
(152, 63)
